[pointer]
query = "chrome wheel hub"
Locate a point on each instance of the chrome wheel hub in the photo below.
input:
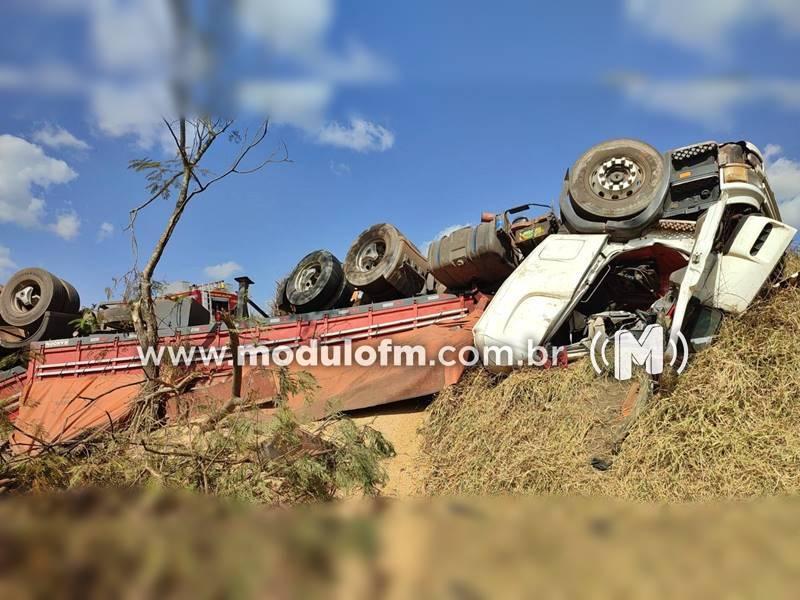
(26, 297)
(370, 255)
(616, 178)
(308, 277)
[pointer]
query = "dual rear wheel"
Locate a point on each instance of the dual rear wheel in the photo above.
(31, 292)
(381, 262)
(316, 283)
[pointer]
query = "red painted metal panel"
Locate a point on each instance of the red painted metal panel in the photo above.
(12, 385)
(73, 387)
(62, 358)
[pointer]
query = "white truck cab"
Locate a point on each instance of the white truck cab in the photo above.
(646, 237)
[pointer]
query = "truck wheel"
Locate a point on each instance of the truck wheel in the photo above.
(617, 179)
(316, 283)
(30, 293)
(384, 264)
(73, 299)
(280, 305)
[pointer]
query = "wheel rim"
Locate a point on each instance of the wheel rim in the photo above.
(370, 255)
(26, 296)
(308, 277)
(617, 178)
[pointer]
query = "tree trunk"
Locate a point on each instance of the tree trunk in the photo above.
(205, 132)
(144, 313)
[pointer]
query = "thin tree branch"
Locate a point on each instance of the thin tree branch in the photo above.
(135, 211)
(234, 168)
(181, 144)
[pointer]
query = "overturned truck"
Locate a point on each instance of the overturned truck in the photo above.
(677, 238)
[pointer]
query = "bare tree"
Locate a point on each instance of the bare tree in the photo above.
(185, 177)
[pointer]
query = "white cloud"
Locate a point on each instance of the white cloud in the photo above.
(771, 151)
(710, 25)
(133, 110)
(134, 42)
(361, 135)
(298, 31)
(784, 178)
(303, 104)
(67, 226)
(46, 77)
(55, 136)
(357, 64)
(288, 27)
(105, 231)
(24, 168)
(790, 211)
(118, 30)
(223, 270)
(6, 264)
(131, 36)
(711, 102)
(339, 168)
(298, 103)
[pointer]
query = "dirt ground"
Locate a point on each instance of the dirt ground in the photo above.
(399, 423)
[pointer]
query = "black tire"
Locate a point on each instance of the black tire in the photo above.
(280, 305)
(316, 283)
(617, 179)
(45, 293)
(73, 299)
(384, 264)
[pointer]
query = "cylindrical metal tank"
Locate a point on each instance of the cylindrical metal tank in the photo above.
(471, 256)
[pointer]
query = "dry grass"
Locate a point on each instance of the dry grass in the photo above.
(730, 427)
(531, 432)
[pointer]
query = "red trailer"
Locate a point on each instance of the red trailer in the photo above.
(85, 383)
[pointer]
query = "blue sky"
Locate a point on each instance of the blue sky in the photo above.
(422, 114)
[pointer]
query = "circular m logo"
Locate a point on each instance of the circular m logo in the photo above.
(646, 351)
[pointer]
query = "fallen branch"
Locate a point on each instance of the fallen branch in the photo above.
(168, 388)
(194, 455)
